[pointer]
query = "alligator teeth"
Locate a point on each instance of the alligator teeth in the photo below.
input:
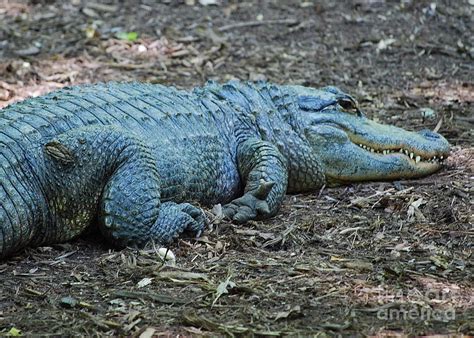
(413, 156)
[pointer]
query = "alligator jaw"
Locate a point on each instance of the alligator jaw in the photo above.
(364, 163)
(356, 149)
(402, 159)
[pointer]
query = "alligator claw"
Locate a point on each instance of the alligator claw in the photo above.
(263, 189)
(175, 218)
(199, 218)
(262, 207)
(250, 205)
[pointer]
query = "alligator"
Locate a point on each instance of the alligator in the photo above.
(134, 159)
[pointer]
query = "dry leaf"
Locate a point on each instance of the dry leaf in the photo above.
(144, 282)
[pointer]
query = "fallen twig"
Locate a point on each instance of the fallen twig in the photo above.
(438, 125)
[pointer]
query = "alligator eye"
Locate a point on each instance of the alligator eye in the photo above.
(350, 105)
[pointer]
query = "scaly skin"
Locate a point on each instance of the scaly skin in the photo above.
(133, 155)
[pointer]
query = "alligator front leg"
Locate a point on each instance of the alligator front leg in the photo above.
(117, 166)
(264, 170)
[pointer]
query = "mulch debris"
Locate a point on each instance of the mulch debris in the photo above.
(377, 258)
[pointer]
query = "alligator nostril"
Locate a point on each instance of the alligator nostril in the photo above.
(429, 134)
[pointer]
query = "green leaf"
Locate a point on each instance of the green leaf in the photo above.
(129, 36)
(223, 288)
(439, 261)
(14, 332)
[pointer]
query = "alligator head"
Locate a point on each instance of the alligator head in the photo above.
(354, 148)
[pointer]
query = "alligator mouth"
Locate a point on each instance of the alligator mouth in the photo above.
(415, 161)
(413, 156)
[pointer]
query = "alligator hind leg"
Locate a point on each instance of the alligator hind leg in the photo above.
(121, 165)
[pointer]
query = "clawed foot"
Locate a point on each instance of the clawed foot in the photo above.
(199, 221)
(249, 206)
(175, 218)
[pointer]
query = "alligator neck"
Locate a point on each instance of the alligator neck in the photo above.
(272, 111)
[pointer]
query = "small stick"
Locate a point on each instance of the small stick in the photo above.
(438, 125)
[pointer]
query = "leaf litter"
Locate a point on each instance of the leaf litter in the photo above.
(350, 260)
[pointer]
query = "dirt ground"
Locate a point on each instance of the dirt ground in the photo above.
(377, 258)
